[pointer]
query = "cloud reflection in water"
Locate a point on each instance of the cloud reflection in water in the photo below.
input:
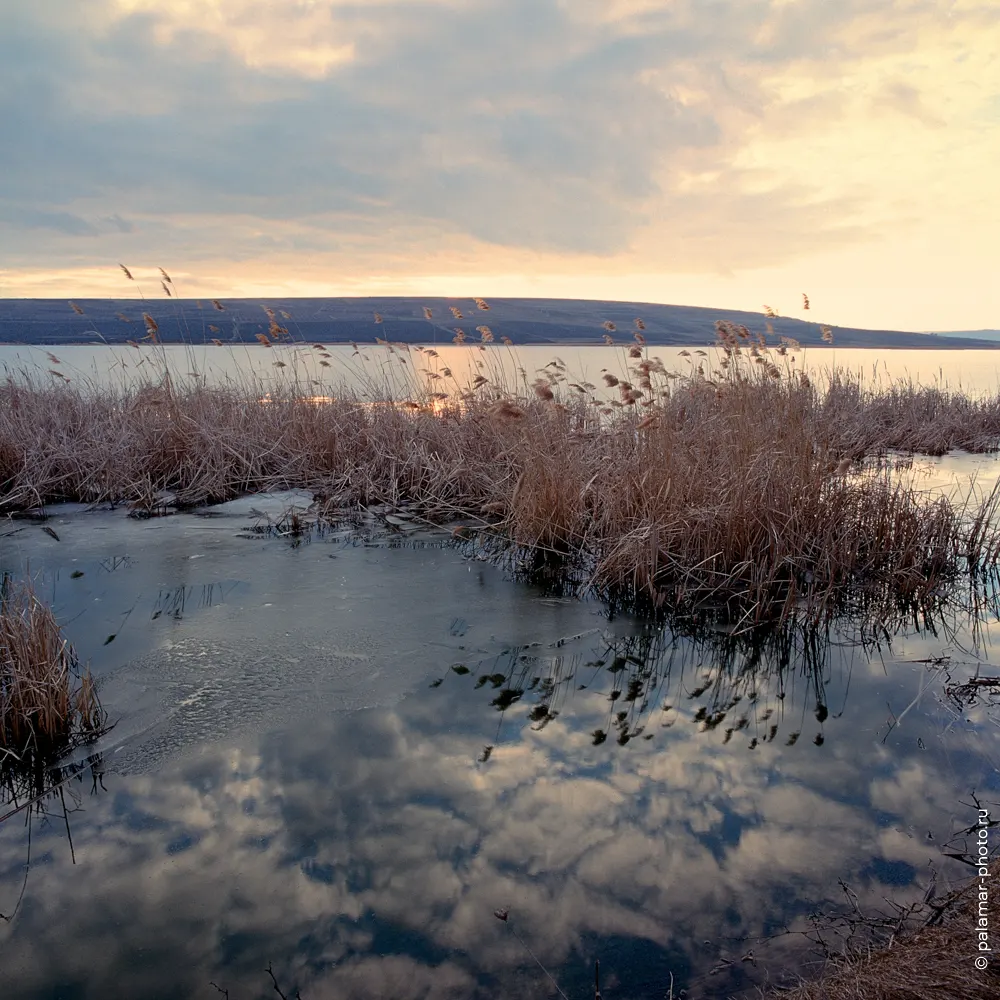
(365, 854)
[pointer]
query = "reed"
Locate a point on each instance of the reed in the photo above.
(739, 483)
(48, 703)
(932, 962)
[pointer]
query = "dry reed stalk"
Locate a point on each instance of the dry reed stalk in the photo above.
(47, 703)
(729, 485)
(932, 963)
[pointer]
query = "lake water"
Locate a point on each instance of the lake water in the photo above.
(399, 370)
(340, 756)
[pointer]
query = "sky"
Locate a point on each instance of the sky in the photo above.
(726, 153)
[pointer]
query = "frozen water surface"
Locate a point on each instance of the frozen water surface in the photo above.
(340, 758)
(199, 630)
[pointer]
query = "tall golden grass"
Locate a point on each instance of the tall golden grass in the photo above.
(739, 484)
(48, 703)
(933, 962)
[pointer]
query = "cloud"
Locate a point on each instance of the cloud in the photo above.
(366, 138)
(299, 38)
(18, 217)
(906, 99)
(118, 223)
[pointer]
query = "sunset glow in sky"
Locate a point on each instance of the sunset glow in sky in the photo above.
(725, 153)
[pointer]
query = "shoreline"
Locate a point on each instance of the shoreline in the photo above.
(948, 344)
(935, 960)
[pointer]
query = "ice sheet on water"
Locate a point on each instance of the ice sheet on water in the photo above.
(259, 635)
(200, 689)
(952, 473)
(271, 504)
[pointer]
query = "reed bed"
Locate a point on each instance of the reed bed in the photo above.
(929, 963)
(932, 964)
(736, 484)
(905, 416)
(48, 703)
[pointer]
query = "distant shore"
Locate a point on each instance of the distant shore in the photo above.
(955, 344)
(927, 342)
(411, 320)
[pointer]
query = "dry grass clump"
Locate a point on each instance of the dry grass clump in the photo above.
(931, 963)
(736, 486)
(934, 963)
(904, 416)
(47, 703)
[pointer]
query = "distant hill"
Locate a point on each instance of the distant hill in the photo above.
(341, 320)
(993, 335)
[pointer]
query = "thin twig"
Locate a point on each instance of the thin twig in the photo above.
(538, 961)
(24, 883)
(274, 982)
(69, 836)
